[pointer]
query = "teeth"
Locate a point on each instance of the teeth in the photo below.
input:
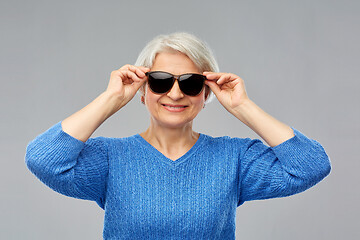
(173, 107)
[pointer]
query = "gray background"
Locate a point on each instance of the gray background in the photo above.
(299, 61)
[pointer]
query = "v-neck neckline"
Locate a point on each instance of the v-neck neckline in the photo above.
(161, 157)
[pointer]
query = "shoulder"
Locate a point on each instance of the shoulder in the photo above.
(230, 142)
(110, 142)
(227, 139)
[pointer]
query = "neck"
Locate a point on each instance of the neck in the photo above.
(171, 141)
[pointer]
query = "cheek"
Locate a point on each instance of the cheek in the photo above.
(150, 97)
(199, 100)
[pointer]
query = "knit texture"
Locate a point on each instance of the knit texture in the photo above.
(145, 195)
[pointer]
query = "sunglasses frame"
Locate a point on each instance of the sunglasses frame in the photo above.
(176, 78)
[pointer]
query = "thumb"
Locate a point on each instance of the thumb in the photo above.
(137, 84)
(213, 86)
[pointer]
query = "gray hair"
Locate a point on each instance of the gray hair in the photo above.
(198, 51)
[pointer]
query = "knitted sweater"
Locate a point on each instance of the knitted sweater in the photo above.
(145, 195)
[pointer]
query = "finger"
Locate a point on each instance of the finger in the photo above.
(224, 79)
(144, 69)
(212, 75)
(118, 75)
(125, 67)
(137, 85)
(130, 77)
(137, 71)
(213, 86)
(207, 73)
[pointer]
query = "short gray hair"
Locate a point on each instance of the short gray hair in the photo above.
(197, 50)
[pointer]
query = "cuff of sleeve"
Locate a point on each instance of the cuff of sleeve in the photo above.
(56, 146)
(301, 155)
(298, 139)
(65, 142)
(57, 131)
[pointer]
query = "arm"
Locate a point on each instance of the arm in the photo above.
(68, 165)
(268, 128)
(286, 169)
(291, 164)
(230, 91)
(64, 157)
(122, 87)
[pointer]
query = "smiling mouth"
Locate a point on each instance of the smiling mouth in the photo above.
(175, 106)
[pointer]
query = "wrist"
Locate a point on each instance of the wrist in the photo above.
(244, 109)
(112, 102)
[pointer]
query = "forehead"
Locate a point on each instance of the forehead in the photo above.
(174, 62)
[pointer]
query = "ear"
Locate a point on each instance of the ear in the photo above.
(207, 92)
(142, 91)
(143, 99)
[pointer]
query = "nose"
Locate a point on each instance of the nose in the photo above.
(175, 93)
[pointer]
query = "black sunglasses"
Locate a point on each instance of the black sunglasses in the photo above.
(161, 82)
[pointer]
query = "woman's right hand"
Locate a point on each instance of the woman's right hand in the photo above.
(125, 82)
(121, 89)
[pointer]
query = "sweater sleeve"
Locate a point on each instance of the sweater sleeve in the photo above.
(68, 165)
(286, 169)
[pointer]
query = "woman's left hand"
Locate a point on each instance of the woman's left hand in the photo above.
(230, 91)
(228, 88)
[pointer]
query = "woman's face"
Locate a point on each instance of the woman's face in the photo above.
(173, 109)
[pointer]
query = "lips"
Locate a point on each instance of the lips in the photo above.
(174, 108)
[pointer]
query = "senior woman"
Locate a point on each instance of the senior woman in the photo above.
(171, 182)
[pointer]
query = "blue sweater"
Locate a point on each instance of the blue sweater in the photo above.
(148, 196)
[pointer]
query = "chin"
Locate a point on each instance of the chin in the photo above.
(174, 123)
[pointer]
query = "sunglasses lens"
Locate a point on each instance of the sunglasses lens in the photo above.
(160, 82)
(191, 84)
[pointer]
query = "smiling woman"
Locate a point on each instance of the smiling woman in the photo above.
(172, 113)
(171, 182)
